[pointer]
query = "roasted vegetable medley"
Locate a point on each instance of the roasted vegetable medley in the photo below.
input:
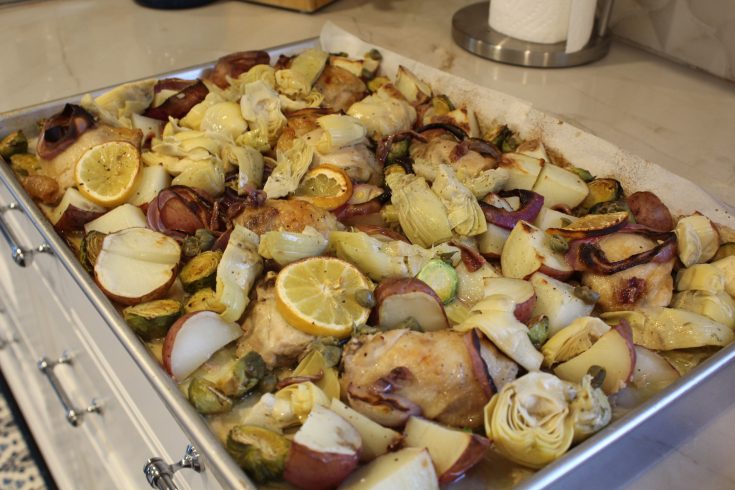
(360, 284)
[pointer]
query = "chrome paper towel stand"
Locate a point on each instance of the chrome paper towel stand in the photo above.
(471, 31)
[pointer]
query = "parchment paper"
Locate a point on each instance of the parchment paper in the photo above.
(577, 146)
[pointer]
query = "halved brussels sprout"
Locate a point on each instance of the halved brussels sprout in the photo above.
(601, 190)
(201, 241)
(206, 398)
(14, 143)
(204, 299)
(259, 451)
(441, 277)
(90, 249)
(152, 320)
(201, 271)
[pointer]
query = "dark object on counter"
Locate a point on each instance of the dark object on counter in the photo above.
(173, 4)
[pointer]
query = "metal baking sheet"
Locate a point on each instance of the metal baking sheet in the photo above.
(215, 458)
(610, 458)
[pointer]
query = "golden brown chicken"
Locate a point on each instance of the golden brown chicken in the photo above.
(390, 376)
(266, 332)
(286, 215)
(340, 88)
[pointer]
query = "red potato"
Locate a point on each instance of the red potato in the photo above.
(136, 265)
(74, 211)
(614, 352)
(650, 211)
(408, 468)
(325, 450)
(376, 439)
(452, 451)
(398, 299)
(528, 250)
(192, 340)
(477, 361)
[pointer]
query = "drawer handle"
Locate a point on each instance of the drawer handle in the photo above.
(21, 256)
(73, 415)
(160, 475)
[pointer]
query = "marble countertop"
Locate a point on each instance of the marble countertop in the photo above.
(672, 115)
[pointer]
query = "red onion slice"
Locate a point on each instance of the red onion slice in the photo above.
(61, 130)
(531, 204)
(587, 256)
(179, 104)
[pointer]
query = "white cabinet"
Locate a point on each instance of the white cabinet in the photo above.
(46, 315)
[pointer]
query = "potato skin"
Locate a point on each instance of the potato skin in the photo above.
(650, 211)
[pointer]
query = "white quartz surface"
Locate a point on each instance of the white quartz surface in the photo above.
(681, 119)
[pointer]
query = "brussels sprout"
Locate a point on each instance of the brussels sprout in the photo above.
(14, 143)
(204, 299)
(504, 138)
(398, 150)
(152, 320)
(374, 54)
(245, 375)
(538, 330)
(201, 271)
(195, 244)
(268, 384)
(206, 398)
(90, 249)
(260, 452)
(601, 190)
(25, 164)
(442, 105)
(441, 277)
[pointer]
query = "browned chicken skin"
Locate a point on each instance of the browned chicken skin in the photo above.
(340, 88)
(286, 215)
(392, 375)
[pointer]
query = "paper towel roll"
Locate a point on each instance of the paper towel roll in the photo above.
(545, 21)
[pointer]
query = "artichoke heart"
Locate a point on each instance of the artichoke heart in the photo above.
(530, 420)
(421, 213)
(697, 239)
(464, 213)
(116, 107)
(237, 271)
(380, 260)
(591, 410)
(340, 131)
(573, 339)
(285, 247)
(291, 167)
(304, 71)
(261, 108)
(385, 112)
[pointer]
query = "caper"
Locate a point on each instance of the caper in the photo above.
(558, 244)
(598, 374)
(589, 296)
(365, 298)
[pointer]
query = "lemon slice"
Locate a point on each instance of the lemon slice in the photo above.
(106, 173)
(592, 225)
(317, 296)
(325, 186)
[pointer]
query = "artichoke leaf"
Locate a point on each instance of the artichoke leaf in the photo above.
(339, 131)
(487, 181)
(494, 317)
(384, 112)
(116, 107)
(291, 167)
(665, 329)
(285, 247)
(237, 271)
(249, 163)
(464, 213)
(304, 71)
(421, 213)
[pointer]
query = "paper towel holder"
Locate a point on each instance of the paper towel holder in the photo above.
(470, 30)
